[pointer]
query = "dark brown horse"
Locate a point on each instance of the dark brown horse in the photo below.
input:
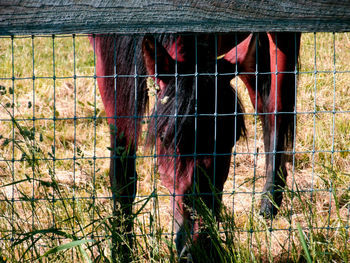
(197, 119)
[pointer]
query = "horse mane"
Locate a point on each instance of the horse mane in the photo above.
(189, 98)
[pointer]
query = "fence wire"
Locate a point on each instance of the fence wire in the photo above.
(56, 200)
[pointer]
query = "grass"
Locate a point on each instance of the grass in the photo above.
(57, 208)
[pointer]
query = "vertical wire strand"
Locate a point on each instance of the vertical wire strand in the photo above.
(195, 120)
(114, 129)
(13, 141)
(94, 150)
(251, 217)
(334, 98)
(153, 177)
(333, 131)
(275, 114)
(155, 116)
(33, 143)
(347, 226)
(74, 139)
(136, 83)
(195, 112)
(235, 133)
(215, 119)
(175, 132)
(314, 124)
(54, 128)
(94, 160)
(295, 114)
(75, 126)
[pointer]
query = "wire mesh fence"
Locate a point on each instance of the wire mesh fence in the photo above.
(64, 145)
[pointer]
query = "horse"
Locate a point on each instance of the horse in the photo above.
(197, 118)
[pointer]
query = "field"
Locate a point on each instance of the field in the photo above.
(55, 201)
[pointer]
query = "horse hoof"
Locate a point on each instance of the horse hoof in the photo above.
(267, 209)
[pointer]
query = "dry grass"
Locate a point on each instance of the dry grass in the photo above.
(319, 169)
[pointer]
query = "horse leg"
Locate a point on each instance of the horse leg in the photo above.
(269, 95)
(123, 180)
(279, 128)
(124, 134)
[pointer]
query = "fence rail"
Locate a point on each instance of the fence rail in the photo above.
(161, 16)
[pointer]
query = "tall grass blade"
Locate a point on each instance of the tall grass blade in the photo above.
(68, 246)
(303, 243)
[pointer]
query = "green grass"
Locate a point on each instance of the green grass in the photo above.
(47, 209)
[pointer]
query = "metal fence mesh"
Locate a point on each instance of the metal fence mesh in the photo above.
(54, 158)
